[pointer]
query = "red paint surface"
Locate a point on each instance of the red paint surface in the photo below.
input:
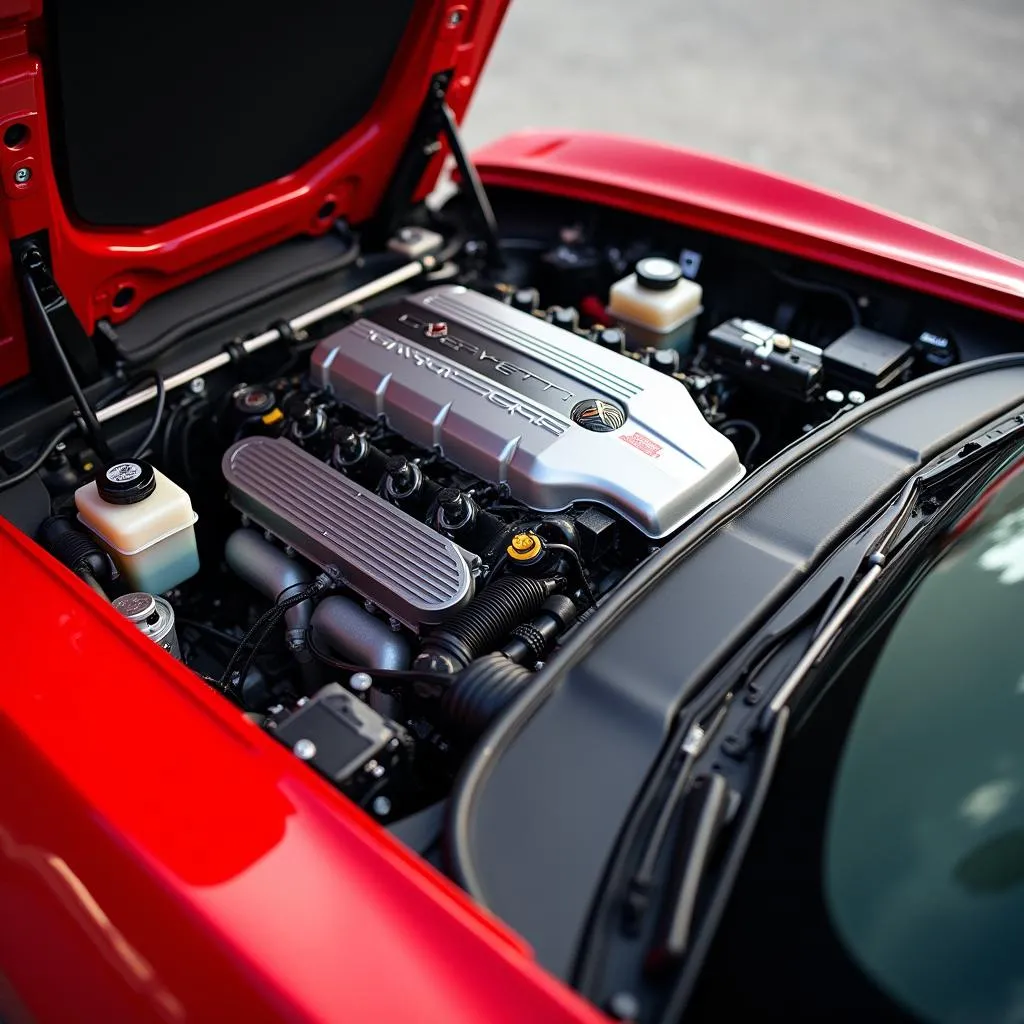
(740, 202)
(92, 265)
(163, 859)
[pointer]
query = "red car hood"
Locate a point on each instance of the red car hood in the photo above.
(148, 149)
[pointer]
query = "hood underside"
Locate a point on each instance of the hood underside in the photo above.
(148, 145)
(158, 112)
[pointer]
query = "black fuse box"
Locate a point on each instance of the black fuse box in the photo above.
(866, 361)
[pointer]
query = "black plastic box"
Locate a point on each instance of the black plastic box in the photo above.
(863, 360)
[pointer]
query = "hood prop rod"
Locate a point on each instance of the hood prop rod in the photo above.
(435, 121)
(475, 187)
(63, 337)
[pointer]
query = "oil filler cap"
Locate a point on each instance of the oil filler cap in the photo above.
(525, 547)
(125, 483)
(657, 273)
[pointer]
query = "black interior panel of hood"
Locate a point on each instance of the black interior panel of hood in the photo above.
(542, 822)
(161, 109)
(239, 287)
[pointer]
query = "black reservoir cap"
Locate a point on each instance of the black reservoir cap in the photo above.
(664, 359)
(611, 338)
(526, 299)
(566, 317)
(657, 273)
(125, 483)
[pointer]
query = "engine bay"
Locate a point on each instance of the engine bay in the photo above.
(371, 524)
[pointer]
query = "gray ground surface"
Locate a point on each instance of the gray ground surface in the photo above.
(914, 105)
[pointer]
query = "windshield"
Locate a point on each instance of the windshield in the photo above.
(886, 877)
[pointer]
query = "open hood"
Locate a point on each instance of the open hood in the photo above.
(146, 144)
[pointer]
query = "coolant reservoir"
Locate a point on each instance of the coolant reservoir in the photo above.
(656, 297)
(144, 521)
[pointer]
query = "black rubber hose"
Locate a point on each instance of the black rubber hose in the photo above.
(484, 622)
(44, 453)
(75, 549)
(480, 693)
(158, 415)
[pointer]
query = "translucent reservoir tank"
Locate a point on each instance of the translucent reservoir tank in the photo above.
(144, 521)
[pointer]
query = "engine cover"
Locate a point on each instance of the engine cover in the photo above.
(518, 401)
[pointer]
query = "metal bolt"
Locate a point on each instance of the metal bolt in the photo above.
(624, 1006)
(378, 771)
(197, 385)
(381, 806)
(394, 624)
(454, 18)
(304, 750)
(360, 681)
(22, 174)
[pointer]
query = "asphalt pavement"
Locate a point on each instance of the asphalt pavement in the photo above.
(913, 105)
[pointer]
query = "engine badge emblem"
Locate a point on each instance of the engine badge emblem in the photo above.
(598, 415)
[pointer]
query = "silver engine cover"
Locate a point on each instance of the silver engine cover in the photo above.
(518, 401)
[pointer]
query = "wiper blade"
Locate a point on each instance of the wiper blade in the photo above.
(919, 489)
(640, 885)
(686, 938)
(707, 815)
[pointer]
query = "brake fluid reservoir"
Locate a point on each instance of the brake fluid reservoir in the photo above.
(145, 521)
(656, 297)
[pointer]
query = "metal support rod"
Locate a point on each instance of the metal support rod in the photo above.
(299, 323)
(488, 223)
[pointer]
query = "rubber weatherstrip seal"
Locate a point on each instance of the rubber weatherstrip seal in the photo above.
(457, 847)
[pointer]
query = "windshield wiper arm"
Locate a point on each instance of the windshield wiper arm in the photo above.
(918, 489)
